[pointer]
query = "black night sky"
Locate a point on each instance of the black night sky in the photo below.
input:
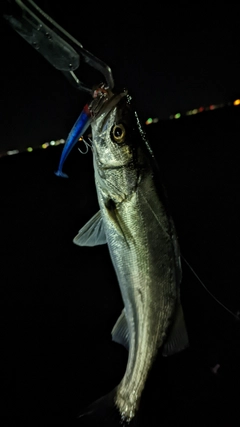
(171, 57)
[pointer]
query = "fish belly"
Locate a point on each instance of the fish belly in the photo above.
(141, 249)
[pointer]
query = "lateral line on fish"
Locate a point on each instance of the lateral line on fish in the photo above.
(129, 164)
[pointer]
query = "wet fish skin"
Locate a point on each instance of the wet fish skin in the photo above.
(135, 223)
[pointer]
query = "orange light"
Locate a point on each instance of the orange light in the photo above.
(236, 102)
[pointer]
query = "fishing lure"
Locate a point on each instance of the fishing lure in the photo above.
(80, 126)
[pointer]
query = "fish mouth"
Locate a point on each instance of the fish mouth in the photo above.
(104, 102)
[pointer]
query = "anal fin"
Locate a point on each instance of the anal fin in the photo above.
(120, 333)
(177, 339)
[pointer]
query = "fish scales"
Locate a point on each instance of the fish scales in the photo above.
(140, 255)
(141, 241)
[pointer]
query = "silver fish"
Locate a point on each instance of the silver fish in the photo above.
(134, 222)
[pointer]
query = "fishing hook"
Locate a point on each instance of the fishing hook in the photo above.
(87, 146)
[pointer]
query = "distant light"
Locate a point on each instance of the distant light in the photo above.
(177, 116)
(189, 113)
(62, 141)
(149, 121)
(29, 149)
(236, 102)
(12, 152)
(195, 111)
(45, 145)
(212, 107)
(201, 109)
(155, 120)
(52, 142)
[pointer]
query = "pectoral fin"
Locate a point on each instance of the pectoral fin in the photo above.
(92, 233)
(120, 332)
(178, 337)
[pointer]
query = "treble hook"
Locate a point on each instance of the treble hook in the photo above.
(87, 145)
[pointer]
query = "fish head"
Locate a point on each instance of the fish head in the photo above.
(113, 132)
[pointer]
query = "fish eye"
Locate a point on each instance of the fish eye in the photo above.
(118, 133)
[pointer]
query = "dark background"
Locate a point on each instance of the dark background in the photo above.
(171, 57)
(59, 302)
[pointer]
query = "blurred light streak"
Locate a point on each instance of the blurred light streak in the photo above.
(12, 152)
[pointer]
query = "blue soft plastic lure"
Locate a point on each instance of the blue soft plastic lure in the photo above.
(80, 126)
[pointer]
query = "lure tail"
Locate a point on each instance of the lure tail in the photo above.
(80, 126)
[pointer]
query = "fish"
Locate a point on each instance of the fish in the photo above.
(135, 222)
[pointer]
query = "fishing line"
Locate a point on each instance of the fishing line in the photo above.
(236, 316)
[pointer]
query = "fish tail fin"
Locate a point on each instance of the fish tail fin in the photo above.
(103, 413)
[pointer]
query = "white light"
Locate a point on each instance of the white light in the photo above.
(11, 152)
